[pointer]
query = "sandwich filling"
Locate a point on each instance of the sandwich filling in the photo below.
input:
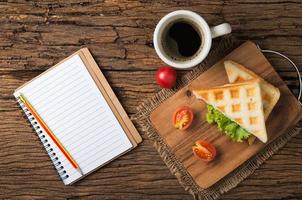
(226, 125)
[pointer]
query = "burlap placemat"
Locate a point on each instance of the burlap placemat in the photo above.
(142, 118)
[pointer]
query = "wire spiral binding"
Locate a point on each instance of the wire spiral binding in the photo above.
(36, 127)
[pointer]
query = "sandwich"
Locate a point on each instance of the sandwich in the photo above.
(270, 94)
(240, 109)
(237, 109)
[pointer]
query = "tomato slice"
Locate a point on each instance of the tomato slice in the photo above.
(182, 117)
(204, 150)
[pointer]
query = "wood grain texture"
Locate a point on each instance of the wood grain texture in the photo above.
(230, 154)
(36, 35)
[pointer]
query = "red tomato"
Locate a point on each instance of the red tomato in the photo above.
(204, 150)
(182, 118)
(166, 77)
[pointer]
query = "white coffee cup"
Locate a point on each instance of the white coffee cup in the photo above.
(206, 33)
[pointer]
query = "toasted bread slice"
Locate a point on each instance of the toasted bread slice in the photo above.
(240, 102)
(239, 73)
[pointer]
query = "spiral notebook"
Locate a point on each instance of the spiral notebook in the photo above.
(76, 102)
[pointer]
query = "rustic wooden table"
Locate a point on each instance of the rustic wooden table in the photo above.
(36, 35)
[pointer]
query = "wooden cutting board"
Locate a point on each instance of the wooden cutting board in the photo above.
(230, 155)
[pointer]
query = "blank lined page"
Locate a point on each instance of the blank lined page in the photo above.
(72, 106)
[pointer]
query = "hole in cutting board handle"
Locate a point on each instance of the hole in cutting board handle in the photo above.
(292, 63)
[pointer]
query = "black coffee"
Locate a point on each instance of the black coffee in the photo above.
(183, 38)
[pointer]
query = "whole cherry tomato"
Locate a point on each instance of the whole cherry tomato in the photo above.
(166, 77)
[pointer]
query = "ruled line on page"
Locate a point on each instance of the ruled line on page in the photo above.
(71, 105)
(48, 104)
(108, 145)
(47, 77)
(59, 85)
(90, 131)
(116, 146)
(84, 124)
(90, 164)
(61, 116)
(75, 82)
(101, 135)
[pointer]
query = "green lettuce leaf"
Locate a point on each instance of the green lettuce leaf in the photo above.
(224, 124)
(241, 134)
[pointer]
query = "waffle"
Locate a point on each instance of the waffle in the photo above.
(240, 102)
(238, 73)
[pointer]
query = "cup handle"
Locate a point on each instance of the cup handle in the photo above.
(222, 29)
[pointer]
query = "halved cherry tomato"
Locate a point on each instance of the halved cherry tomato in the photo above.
(182, 117)
(204, 150)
